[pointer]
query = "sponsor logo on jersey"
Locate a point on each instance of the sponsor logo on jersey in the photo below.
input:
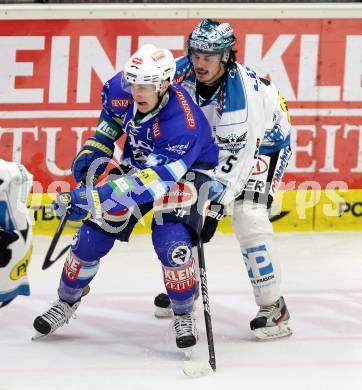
(261, 166)
(121, 103)
(20, 268)
(280, 169)
(72, 267)
(190, 120)
(156, 129)
(158, 55)
(121, 186)
(180, 279)
(147, 176)
(105, 128)
(179, 149)
(182, 194)
(255, 185)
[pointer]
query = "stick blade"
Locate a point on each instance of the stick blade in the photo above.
(195, 369)
(48, 261)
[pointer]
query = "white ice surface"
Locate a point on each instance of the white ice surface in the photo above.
(116, 343)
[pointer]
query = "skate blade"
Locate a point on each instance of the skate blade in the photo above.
(161, 312)
(38, 336)
(195, 369)
(273, 332)
(187, 352)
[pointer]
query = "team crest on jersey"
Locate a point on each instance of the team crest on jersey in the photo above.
(232, 142)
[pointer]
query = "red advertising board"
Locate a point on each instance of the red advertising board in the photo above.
(52, 72)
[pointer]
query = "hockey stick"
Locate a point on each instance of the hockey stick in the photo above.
(205, 301)
(63, 220)
(196, 369)
(47, 261)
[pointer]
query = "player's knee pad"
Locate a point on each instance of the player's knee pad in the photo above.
(90, 244)
(173, 245)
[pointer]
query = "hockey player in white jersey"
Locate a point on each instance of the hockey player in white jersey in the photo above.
(15, 231)
(251, 124)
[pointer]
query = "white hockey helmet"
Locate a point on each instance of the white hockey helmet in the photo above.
(150, 65)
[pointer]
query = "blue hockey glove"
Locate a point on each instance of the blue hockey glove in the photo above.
(79, 203)
(87, 202)
(66, 203)
(95, 148)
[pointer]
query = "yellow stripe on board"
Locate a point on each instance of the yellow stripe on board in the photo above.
(302, 210)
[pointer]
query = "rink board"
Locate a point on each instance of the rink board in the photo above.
(302, 210)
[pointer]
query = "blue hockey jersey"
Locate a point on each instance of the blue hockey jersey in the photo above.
(163, 145)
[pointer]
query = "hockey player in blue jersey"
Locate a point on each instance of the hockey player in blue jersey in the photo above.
(171, 155)
(247, 115)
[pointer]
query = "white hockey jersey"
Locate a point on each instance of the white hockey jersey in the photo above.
(15, 230)
(248, 116)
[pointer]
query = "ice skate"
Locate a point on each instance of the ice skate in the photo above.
(271, 322)
(58, 315)
(185, 330)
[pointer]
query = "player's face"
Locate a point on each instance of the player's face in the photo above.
(208, 67)
(145, 96)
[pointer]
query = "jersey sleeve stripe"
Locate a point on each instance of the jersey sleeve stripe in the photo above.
(177, 169)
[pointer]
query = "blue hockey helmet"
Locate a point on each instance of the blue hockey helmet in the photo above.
(210, 36)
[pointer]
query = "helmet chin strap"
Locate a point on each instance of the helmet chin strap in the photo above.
(225, 56)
